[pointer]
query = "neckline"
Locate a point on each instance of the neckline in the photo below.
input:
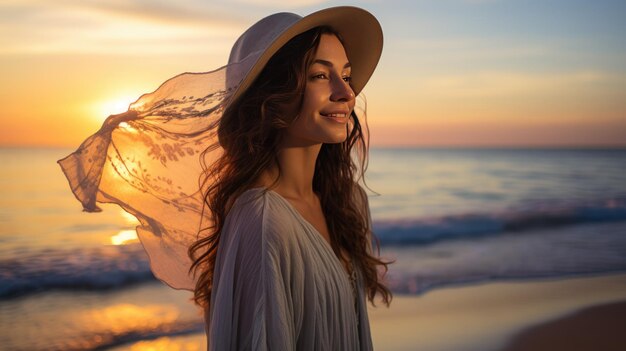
(311, 226)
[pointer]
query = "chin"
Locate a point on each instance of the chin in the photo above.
(336, 139)
(311, 136)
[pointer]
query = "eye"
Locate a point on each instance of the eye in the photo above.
(320, 76)
(346, 79)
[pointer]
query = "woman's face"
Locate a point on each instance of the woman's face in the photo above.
(328, 98)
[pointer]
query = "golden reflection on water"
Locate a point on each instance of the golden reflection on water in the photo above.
(125, 317)
(168, 344)
(124, 237)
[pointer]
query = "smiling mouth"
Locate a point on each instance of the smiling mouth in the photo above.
(337, 117)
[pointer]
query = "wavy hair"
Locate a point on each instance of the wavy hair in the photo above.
(250, 133)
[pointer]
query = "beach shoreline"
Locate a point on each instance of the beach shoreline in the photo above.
(487, 316)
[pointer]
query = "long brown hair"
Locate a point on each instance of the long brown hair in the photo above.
(250, 134)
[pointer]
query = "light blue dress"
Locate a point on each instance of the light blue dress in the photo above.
(278, 284)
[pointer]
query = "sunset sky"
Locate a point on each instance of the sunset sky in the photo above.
(453, 72)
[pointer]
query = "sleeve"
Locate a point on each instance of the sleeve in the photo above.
(251, 304)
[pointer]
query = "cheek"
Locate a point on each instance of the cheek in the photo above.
(314, 99)
(307, 115)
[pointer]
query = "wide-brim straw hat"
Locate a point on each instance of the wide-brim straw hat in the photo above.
(359, 30)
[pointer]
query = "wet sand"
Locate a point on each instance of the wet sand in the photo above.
(595, 328)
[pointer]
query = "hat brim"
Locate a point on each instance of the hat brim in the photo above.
(362, 38)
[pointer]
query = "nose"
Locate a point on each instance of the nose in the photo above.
(341, 90)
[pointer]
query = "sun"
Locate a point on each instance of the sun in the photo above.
(119, 104)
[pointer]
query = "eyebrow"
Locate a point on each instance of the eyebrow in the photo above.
(330, 64)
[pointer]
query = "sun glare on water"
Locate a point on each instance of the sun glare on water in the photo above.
(124, 237)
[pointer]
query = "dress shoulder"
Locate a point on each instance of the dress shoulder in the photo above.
(262, 209)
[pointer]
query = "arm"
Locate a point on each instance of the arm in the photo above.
(251, 306)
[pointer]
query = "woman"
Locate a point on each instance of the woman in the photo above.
(285, 260)
(289, 132)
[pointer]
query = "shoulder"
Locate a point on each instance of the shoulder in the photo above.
(260, 212)
(259, 204)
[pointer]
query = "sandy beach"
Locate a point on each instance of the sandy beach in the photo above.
(487, 316)
(499, 316)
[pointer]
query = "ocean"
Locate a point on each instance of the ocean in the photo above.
(71, 280)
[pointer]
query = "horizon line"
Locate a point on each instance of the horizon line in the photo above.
(399, 146)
